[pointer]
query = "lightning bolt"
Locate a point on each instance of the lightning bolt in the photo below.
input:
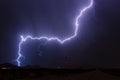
(24, 39)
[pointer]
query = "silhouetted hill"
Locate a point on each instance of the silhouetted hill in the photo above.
(7, 66)
(12, 72)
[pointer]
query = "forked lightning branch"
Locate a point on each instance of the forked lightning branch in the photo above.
(62, 41)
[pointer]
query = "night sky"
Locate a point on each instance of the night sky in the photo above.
(96, 45)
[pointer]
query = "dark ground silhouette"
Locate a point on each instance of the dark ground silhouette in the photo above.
(12, 72)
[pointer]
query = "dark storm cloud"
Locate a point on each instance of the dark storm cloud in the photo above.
(97, 43)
